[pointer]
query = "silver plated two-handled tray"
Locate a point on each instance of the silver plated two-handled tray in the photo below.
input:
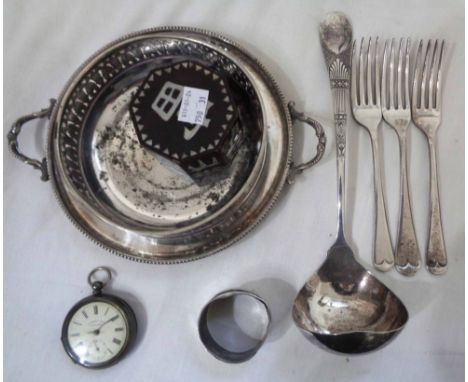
(130, 200)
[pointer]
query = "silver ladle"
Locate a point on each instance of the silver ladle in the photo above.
(343, 305)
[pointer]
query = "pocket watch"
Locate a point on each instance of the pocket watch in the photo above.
(99, 329)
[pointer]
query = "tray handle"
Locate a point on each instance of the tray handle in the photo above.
(13, 140)
(322, 141)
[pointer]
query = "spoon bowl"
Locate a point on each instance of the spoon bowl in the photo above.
(344, 307)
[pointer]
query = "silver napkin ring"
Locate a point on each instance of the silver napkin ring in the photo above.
(234, 324)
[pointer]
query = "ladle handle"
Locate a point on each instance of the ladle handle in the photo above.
(336, 38)
(340, 94)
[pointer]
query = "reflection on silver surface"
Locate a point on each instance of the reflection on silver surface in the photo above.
(148, 188)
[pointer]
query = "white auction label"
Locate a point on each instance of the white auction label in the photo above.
(193, 105)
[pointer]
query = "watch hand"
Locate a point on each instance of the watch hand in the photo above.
(106, 322)
(97, 331)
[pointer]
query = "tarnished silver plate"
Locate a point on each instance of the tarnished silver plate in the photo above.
(138, 204)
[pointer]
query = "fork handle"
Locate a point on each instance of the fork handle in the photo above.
(383, 251)
(436, 256)
(407, 257)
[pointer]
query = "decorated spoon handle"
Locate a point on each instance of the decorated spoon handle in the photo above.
(336, 39)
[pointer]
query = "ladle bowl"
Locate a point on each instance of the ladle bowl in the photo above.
(344, 307)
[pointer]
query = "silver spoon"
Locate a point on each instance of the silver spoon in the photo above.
(342, 305)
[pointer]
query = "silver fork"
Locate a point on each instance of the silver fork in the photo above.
(426, 110)
(368, 113)
(396, 112)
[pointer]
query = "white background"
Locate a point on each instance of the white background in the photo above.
(46, 260)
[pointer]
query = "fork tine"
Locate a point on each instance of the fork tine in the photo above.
(432, 75)
(354, 98)
(407, 98)
(439, 77)
(362, 100)
(399, 74)
(416, 79)
(392, 75)
(384, 76)
(377, 73)
(370, 100)
(424, 78)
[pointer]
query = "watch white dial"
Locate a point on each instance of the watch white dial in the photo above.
(97, 332)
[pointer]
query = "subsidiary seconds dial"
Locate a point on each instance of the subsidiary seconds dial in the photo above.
(98, 329)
